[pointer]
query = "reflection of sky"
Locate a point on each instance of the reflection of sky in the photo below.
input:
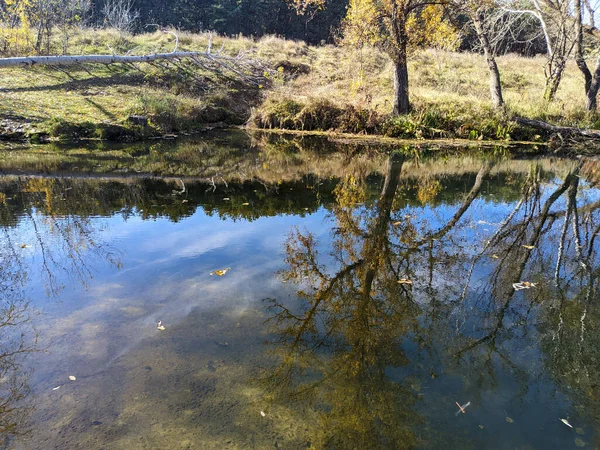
(166, 274)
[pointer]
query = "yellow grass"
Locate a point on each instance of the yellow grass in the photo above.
(452, 84)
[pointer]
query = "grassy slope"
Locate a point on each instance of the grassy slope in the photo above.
(100, 94)
(448, 90)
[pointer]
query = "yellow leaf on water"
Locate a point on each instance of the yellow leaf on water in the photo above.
(404, 281)
(509, 420)
(72, 378)
(245, 204)
(220, 272)
(495, 256)
(529, 247)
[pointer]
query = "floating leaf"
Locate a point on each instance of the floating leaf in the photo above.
(221, 272)
(495, 256)
(25, 246)
(245, 204)
(184, 201)
(262, 413)
(461, 408)
(56, 388)
(481, 427)
(397, 223)
(566, 422)
(72, 378)
(529, 247)
(160, 326)
(509, 420)
(523, 285)
(404, 281)
(226, 198)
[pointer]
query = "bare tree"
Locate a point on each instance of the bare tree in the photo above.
(480, 13)
(119, 14)
(558, 27)
(592, 79)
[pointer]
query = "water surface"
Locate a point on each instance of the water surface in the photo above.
(368, 293)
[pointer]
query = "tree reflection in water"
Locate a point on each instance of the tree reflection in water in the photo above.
(336, 350)
(357, 310)
(67, 243)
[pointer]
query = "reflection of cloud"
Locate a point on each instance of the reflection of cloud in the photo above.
(113, 317)
(186, 244)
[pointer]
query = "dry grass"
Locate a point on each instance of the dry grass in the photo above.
(449, 91)
(451, 86)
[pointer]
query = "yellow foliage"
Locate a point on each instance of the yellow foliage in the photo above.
(350, 192)
(44, 186)
(428, 191)
(363, 26)
(360, 24)
(429, 29)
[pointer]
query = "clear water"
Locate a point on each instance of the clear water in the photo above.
(367, 295)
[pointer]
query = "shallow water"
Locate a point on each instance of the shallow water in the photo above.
(366, 296)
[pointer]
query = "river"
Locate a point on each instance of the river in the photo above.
(309, 294)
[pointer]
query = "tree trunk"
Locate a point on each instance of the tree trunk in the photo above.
(553, 81)
(592, 81)
(401, 102)
(591, 95)
(495, 85)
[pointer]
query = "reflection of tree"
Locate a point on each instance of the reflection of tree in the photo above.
(17, 339)
(336, 349)
(66, 241)
(67, 245)
(548, 238)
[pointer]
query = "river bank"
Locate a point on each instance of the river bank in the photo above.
(323, 89)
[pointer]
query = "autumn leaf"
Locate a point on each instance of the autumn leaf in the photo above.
(221, 272)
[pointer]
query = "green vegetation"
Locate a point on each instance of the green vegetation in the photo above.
(324, 88)
(97, 101)
(450, 96)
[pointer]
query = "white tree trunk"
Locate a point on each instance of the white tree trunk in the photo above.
(104, 59)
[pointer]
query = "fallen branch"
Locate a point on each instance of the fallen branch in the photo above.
(565, 131)
(237, 67)
(101, 59)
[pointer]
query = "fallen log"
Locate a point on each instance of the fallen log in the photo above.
(25, 61)
(239, 67)
(565, 131)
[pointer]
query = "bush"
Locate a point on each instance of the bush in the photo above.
(65, 130)
(320, 115)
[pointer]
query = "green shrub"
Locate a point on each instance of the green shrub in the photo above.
(67, 131)
(319, 115)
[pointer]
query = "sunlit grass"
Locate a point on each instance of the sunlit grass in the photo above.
(449, 90)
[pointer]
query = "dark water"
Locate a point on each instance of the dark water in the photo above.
(366, 296)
